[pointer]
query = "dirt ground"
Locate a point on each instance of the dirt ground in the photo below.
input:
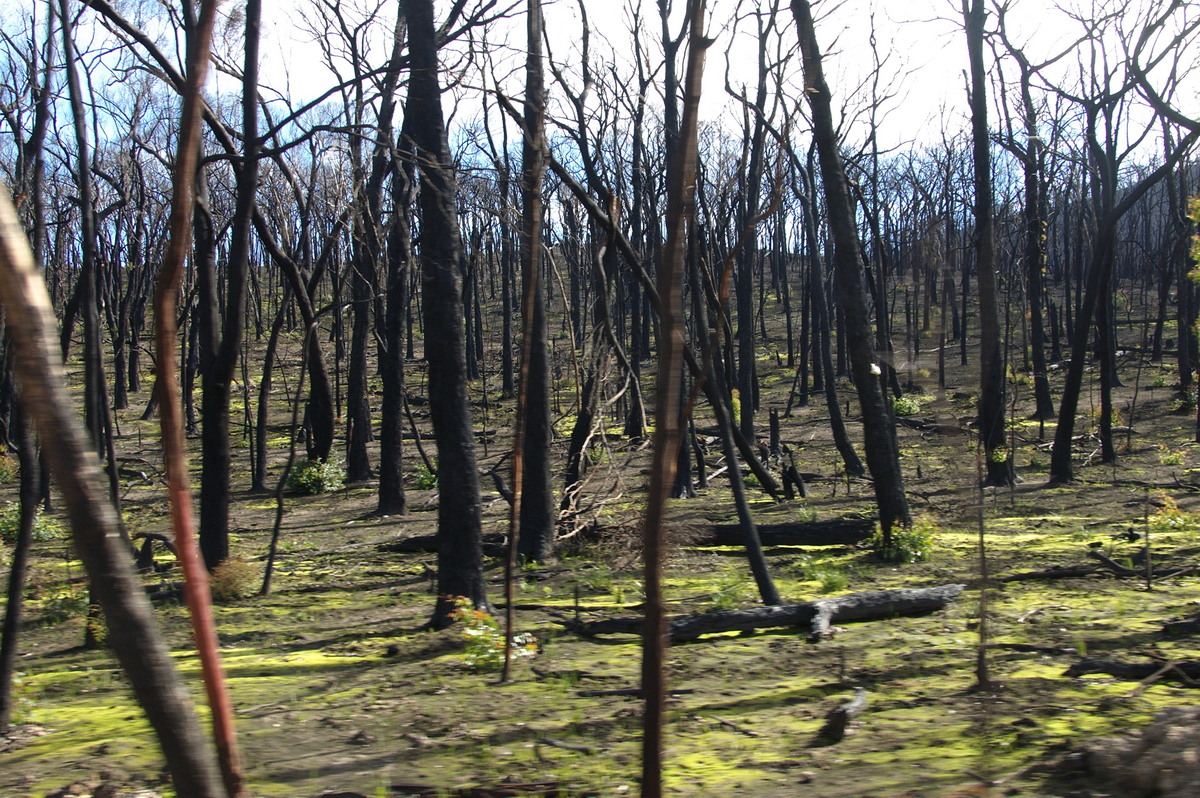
(338, 689)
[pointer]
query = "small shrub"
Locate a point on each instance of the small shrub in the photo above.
(1184, 405)
(234, 579)
(829, 576)
(61, 607)
(731, 591)
(1159, 381)
(317, 476)
(44, 529)
(485, 641)
(24, 708)
(1170, 458)
(9, 469)
(831, 579)
(1170, 517)
(906, 406)
(908, 544)
(426, 479)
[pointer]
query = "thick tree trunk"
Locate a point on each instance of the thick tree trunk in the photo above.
(460, 560)
(221, 351)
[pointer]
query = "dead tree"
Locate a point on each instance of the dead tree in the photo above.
(460, 558)
(879, 430)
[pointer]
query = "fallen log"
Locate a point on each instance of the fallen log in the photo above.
(837, 532)
(1189, 626)
(493, 545)
(1186, 672)
(817, 615)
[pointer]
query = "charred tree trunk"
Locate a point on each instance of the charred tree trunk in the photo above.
(460, 557)
(221, 353)
(537, 495)
(991, 364)
(878, 427)
(392, 500)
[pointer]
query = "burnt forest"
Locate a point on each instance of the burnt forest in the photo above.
(664, 397)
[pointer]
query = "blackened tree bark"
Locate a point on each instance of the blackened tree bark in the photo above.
(1034, 221)
(460, 556)
(748, 256)
(536, 541)
(86, 290)
(368, 252)
(392, 500)
(991, 363)
(821, 326)
(878, 428)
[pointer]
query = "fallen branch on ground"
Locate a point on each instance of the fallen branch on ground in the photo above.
(1186, 672)
(818, 615)
(1106, 565)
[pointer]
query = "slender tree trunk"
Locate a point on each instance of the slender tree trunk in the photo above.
(991, 365)
(29, 493)
(392, 500)
(537, 495)
(681, 186)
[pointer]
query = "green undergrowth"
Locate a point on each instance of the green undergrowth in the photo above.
(337, 686)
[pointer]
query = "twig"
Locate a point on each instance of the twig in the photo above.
(635, 692)
(730, 724)
(582, 749)
(1039, 610)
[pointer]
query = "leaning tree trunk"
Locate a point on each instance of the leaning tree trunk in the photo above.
(460, 555)
(132, 631)
(878, 428)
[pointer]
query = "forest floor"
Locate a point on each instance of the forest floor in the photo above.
(337, 688)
